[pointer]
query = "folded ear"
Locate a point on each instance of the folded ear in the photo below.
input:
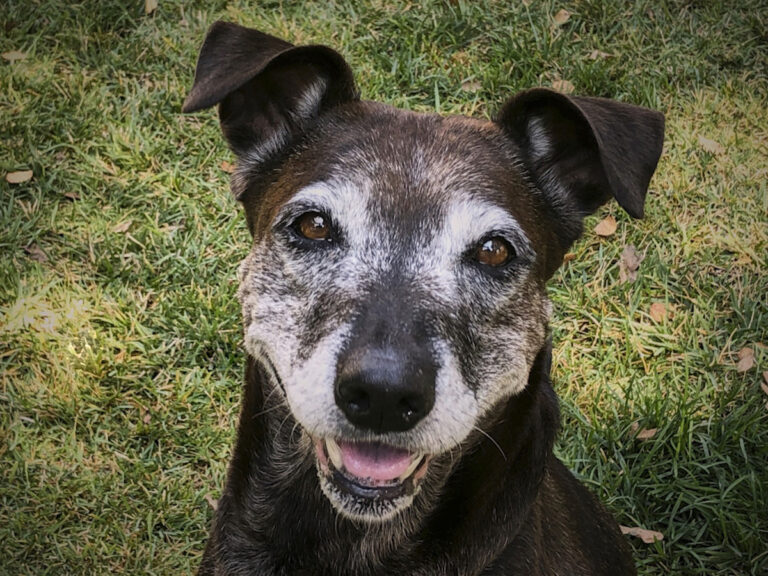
(267, 89)
(581, 151)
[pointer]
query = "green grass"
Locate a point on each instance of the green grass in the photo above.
(120, 354)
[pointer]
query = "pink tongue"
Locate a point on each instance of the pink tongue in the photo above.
(373, 460)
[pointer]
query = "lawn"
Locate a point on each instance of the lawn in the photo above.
(120, 338)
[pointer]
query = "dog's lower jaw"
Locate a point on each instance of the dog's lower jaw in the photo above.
(273, 518)
(360, 497)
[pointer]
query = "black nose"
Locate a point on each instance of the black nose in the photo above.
(385, 389)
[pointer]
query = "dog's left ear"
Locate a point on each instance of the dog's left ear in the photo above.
(583, 151)
(267, 89)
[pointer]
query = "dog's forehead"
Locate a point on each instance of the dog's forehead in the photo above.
(417, 171)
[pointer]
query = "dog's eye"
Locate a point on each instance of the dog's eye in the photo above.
(313, 226)
(494, 252)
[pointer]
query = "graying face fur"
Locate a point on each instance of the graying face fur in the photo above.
(406, 214)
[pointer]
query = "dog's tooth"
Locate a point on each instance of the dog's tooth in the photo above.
(334, 453)
(411, 467)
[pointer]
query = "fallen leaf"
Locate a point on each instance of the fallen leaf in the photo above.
(641, 433)
(606, 227)
(563, 86)
(13, 56)
(228, 167)
(711, 146)
(658, 311)
(764, 383)
(595, 54)
(569, 256)
(471, 86)
(18, 177)
(647, 536)
(150, 6)
(36, 253)
(147, 417)
(72, 196)
(212, 502)
(629, 264)
(123, 226)
(562, 17)
(746, 359)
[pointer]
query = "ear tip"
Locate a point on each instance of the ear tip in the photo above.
(633, 203)
(192, 103)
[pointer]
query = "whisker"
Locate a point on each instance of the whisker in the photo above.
(484, 433)
(266, 411)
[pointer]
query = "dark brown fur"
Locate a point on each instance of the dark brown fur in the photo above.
(500, 503)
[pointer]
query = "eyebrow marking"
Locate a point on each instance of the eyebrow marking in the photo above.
(468, 220)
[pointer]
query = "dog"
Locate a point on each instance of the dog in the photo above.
(398, 415)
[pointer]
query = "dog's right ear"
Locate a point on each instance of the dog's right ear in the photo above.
(268, 90)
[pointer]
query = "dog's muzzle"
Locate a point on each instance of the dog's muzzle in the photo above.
(381, 389)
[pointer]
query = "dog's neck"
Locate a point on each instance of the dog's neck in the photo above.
(271, 497)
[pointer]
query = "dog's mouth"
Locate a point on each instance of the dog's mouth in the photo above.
(370, 470)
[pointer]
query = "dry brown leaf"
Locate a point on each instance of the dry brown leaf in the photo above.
(569, 256)
(123, 226)
(563, 86)
(647, 536)
(746, 359)
(606, 227)
(471, 86)
(658, 311)
(147, 417)
(595, 54)
(629, 264)
(710, 145)
(641, 433)
(228, 167)
(36, 253)
(212, 502)
(14, 55)
(150, 6)
(764, 384)
(72, 196)
(562, 17)
(18, 177)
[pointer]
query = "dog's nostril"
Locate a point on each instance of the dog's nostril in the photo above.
(359, 402)
(354, 398)
(409, 408)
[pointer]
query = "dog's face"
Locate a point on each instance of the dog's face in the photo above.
(395, 288)
(399, 265)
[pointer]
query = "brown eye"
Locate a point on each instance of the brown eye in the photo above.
(314, 226)
(494, 252)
